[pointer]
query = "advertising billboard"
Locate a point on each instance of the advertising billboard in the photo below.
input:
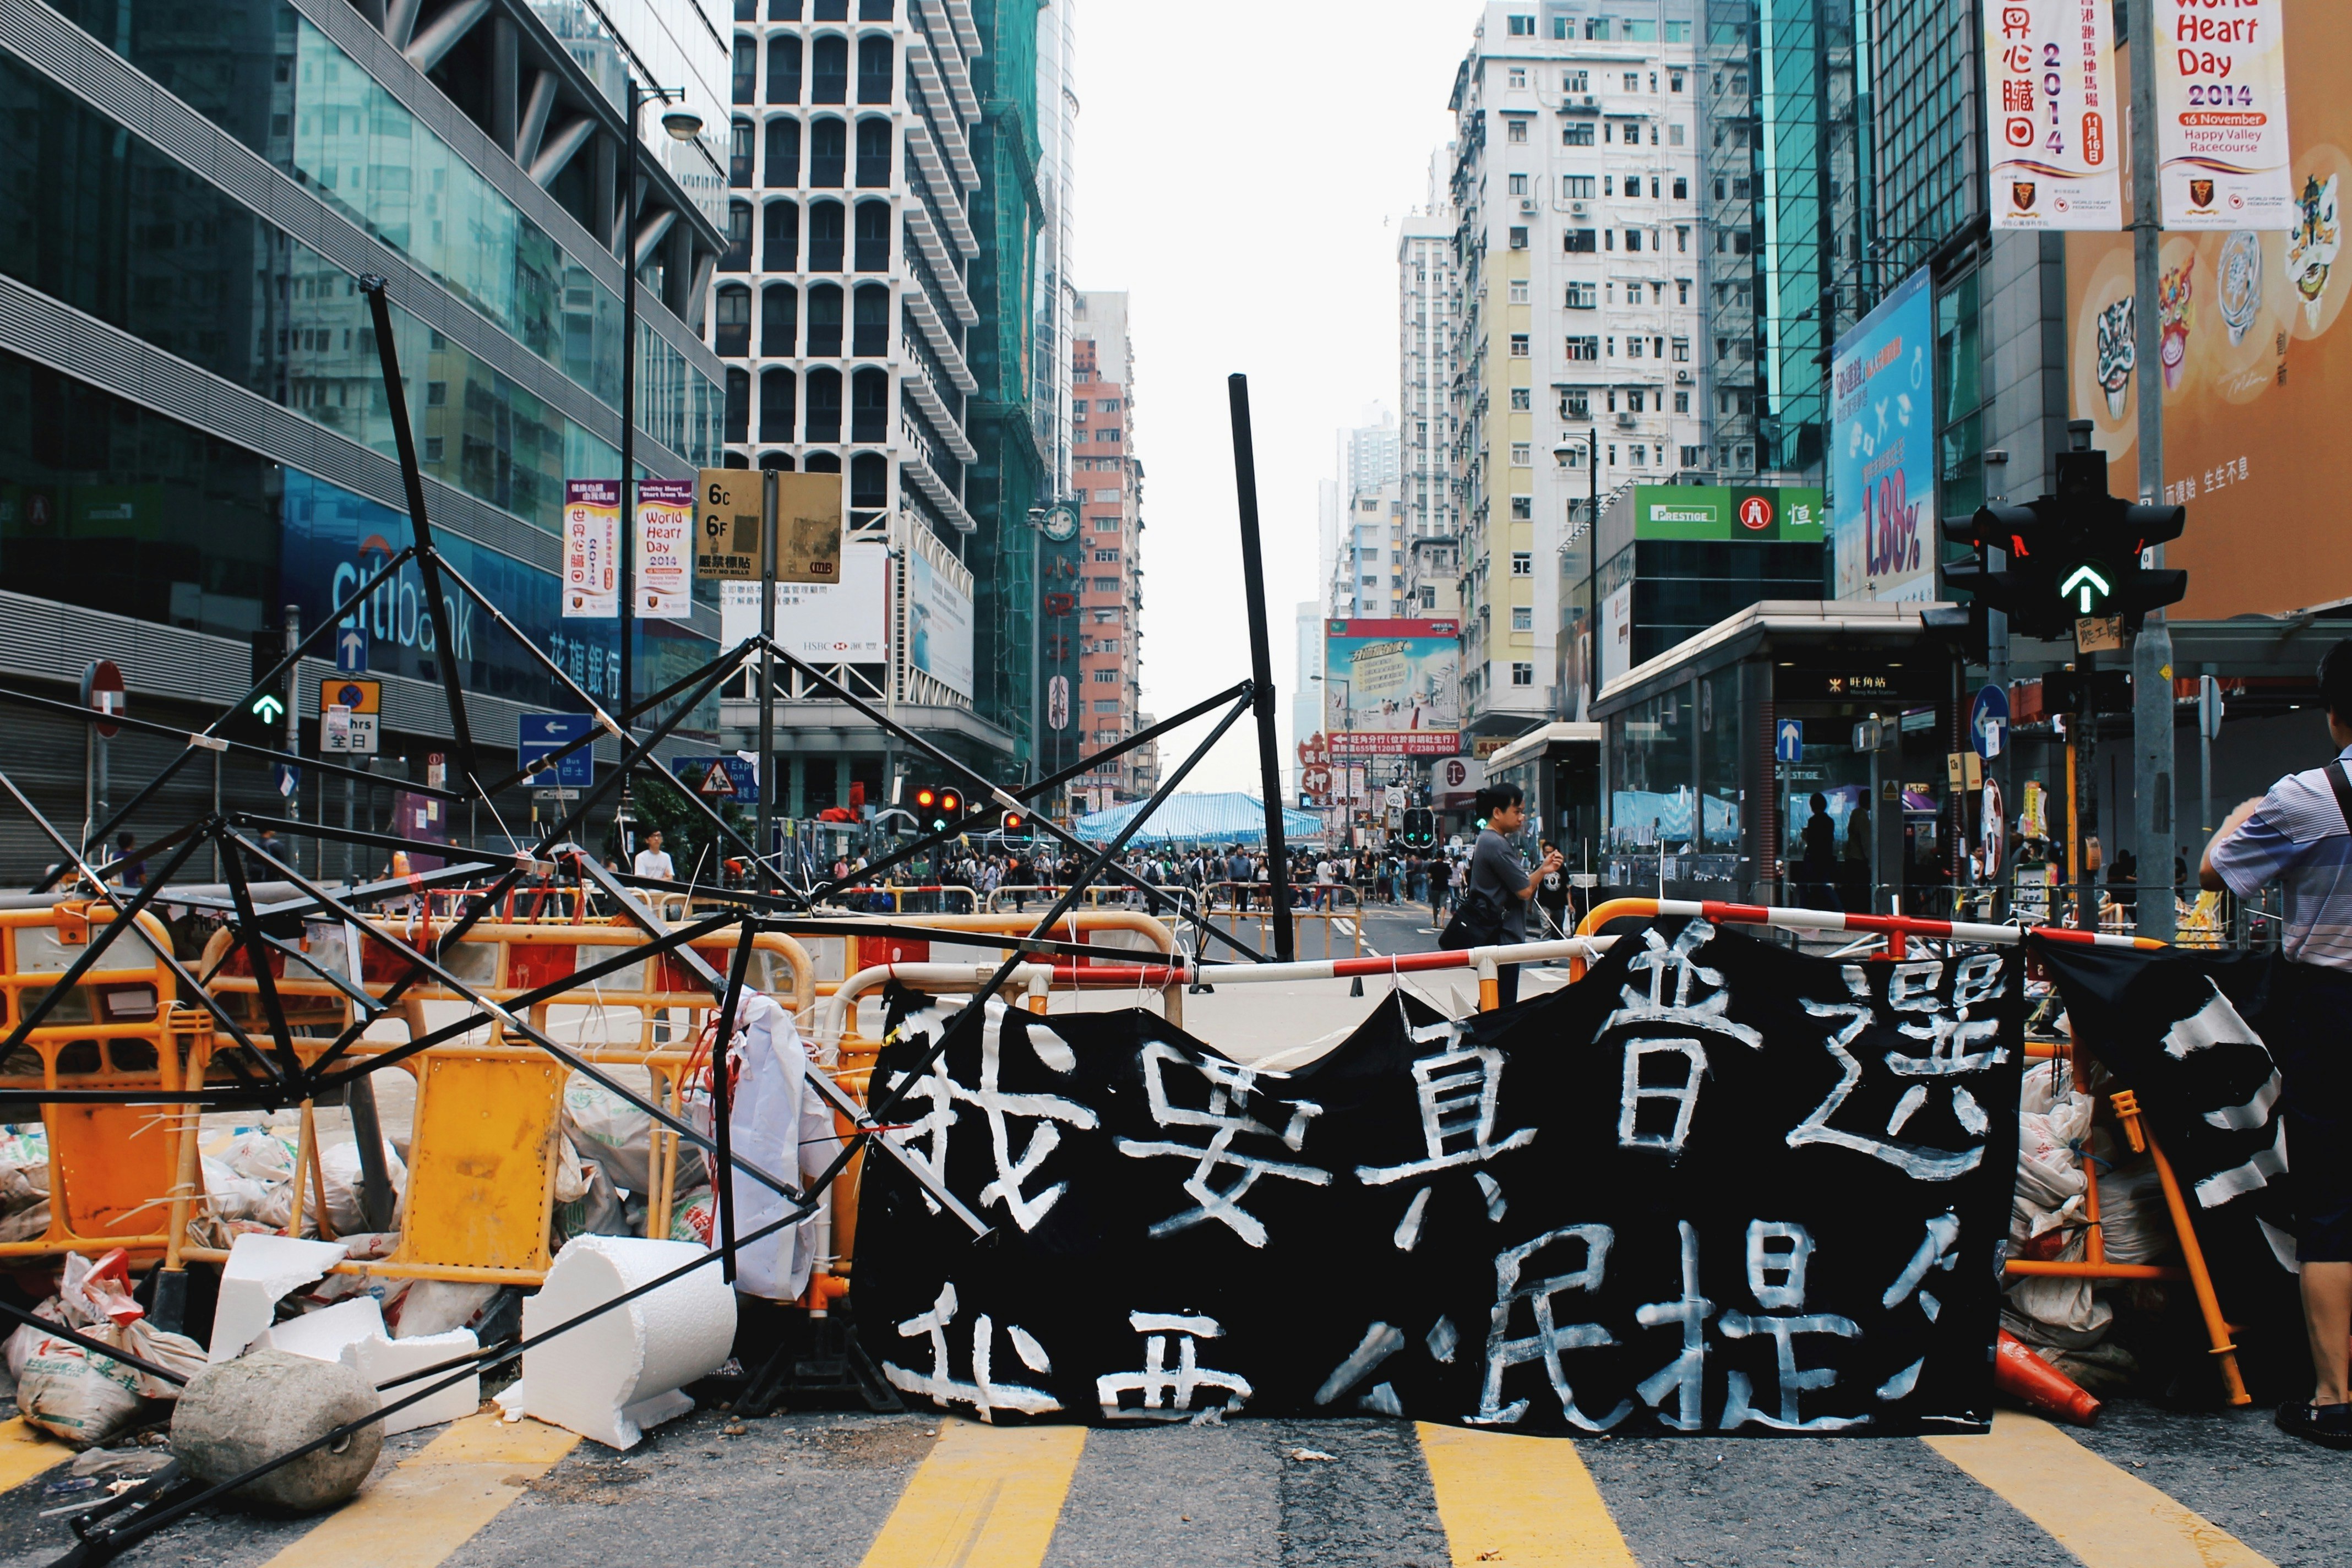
(665, 573)
(1882, 449)
(2256, 363)
(2053, 114)
(825, 622)
(1392, 688)
(938, 624)
(1759, 515)
(592, 549)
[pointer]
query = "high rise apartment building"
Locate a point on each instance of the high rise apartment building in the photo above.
(875, 306)
(1363, 523)
(1581, 257)
(1109, 688)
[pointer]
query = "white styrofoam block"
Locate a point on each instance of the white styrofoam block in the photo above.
(604, 1378)
(260, 1269)
(381, 1360)
(322, 1335)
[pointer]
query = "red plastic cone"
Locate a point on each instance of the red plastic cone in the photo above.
(2026, 1377)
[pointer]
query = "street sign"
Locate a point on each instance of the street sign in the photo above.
(540, 733)
(351, 650)
(1789, 742)
(285, 778)
(1988, 722)
(101, 688)
(1991, 829)
(363, 704)
(1057, 703)
(718, 778)
(2209, 708)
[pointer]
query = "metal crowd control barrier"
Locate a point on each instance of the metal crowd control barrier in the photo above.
(1183, 903)
(861, 898)
(482, 1159)
(113, 1168)
(1076, 925)
(1330, 905)
(1896, 928)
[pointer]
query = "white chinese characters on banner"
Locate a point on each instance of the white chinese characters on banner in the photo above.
(592, 549)
(664, 567)
(2052, 115)
(2220, 116)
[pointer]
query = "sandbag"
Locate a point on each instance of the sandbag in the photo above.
(787, 1131)
(339, 1172)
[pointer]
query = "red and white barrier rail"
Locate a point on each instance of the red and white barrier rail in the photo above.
(1892, 926)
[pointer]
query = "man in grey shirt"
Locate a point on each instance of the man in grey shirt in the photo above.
(1496, 870)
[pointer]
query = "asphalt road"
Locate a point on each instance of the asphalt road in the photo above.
(2146, 1490)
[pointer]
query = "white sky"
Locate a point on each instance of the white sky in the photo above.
(1241, 170)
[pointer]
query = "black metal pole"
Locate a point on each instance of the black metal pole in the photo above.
(428, 565)
(1269, 765)
(628, 450)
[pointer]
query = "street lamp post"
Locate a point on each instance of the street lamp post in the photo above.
(684, 125)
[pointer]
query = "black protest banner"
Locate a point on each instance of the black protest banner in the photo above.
(2185, 1033)
(1714, 1186)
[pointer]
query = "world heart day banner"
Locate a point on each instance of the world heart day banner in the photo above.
(1714, 1186)
(2186, 1034)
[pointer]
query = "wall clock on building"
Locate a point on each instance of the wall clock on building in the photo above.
(1061, 523)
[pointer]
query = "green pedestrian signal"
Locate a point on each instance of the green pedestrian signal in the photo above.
(268, 709)
(2088, 584)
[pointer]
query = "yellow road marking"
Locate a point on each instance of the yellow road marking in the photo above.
(2108, 1516)
(987, 1497)
(26, 1451)
(1527, 1502)
(438, 1498)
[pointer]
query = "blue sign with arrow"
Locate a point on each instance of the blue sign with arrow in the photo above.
(1988, 722)
(540, 733)
(352, 648)
(1789, 742)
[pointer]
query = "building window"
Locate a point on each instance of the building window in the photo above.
(1694, 456)
(783, 153)
(1106, 676)
(1522, 454)
(1111, 556)
(783, 69)
(1597, 28)
(1584, 296)
(1641, 455)
(1633, 347)
(1525, 674)
(1518, 345)
(1577, 241)
(739, 154)
(1523, 26)
(1523, 510)
(1576, 133)
(1632, 81)
(1579, 187)
(731, 323)
(747, 70)
(1576, 403)
(1682, 350)
(1681, 403)
(1584, 348)
(829, 70)
(1575, 81)
(1518, 237)
(1674, 79)
(1518, 290)
(1675, 133)
(1519, 77)
(1523, 618)
(1633, 239)
(1515, 129)
(1523, 561)
(780, 244)
(1519, 396)
(1678, 33)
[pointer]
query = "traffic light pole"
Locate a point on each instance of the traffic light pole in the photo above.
(767, 783)
(2083, 793)
(2152, 742)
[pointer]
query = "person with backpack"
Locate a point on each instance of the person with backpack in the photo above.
(2299, 836)
(1493, 908)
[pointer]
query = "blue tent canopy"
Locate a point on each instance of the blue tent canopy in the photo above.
(1226, 818)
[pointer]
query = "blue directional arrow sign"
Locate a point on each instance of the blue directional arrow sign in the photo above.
(544, 732)
(1988, 722)
(1789, 742)
(285, 778)
(351, 650)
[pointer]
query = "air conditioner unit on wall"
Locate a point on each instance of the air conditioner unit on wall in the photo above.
(1682, 378)
(1579, 208)
(1526, 206)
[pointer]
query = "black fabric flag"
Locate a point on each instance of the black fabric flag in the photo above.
(2185, 1032)
(1713, 1186)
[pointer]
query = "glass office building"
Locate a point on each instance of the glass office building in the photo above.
(194, 431)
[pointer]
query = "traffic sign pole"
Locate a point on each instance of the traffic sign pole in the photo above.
(2152, 751)
(767, 673)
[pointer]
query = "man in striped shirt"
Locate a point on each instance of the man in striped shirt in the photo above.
(2299, 836)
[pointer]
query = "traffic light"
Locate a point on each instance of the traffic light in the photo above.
(936, 805)
(261, 721)
(1015, 826)
(2074, 556)
(1420, 828)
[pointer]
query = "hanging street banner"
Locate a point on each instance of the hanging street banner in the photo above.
(2220, 116)
(1882, 449)
(664, 567)
(2053, 114)
(808, 528)
(592, 549)
(2206, 1042)
(1715, 1186)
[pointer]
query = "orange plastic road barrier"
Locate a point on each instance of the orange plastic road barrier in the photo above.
(113, 1168)
(2026, 1377)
